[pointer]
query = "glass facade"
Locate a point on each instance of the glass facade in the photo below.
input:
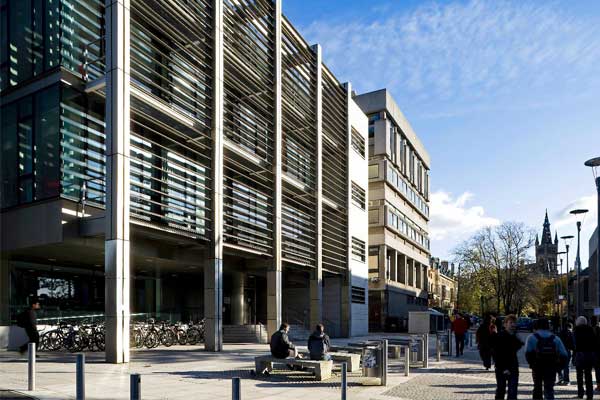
(30, 148)
(39, 35)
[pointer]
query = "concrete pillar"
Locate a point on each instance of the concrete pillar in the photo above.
(117, 247)
(316, 281)
(274, 287)
(158, 295)
(213, 267)
(237, 298)
(393, 266)
(382, 263)
(4, 290)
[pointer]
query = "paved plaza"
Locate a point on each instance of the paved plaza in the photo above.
(186, 372)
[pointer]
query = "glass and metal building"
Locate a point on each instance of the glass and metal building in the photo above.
(398, 214)
(182, 160)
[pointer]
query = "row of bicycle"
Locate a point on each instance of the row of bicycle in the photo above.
(84, 336)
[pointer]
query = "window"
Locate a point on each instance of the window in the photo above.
(358, 143)
(372, 119)
(374, 171)
(358, 196)
(30, 148)
(358, 250)
(392, 143)
(359, 295)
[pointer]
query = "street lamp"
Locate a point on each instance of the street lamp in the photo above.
(579, 216)
(560, 296)
(594, 163)
(567, 240)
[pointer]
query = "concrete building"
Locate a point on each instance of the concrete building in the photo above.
(182, 160)
(443, 285)
(398, 214)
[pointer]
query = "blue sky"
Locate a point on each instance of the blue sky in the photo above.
(505, 96)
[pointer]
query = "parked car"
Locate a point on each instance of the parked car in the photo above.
(525, 324)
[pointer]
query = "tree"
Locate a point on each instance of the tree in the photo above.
(495, 258)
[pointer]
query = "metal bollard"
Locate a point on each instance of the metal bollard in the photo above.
(135, 387)
(438, 350)
(407, 360)
(31, 366)
(236, 391)
(344, 380)
(425, 350)
(384, 367)
(80, 377)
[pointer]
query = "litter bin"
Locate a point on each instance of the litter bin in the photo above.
(372, 361)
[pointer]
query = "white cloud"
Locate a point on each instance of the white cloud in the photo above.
(461, 52)
(564, 222)
(454, 218)
(564, 218)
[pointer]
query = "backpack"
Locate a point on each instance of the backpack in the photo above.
(546, 353)
(22, 319)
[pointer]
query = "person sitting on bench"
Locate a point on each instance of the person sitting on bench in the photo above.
(318, 344)
(281, 346)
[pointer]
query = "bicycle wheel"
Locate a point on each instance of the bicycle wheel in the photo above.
(168, 338)
(193, 336)
(74, 342)
(151, 340)
(55, 340)
(182, 338)
(98, 340)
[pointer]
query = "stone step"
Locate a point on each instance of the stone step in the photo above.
(245, 334)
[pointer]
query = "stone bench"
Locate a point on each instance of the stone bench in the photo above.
(322, 368)
(352, 360)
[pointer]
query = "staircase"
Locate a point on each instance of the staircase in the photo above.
(245, 334)
(299, 334)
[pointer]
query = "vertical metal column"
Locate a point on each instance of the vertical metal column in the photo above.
(213, 268)
(80, 377)
(274, 286)
(316, 282)
(31, 366)
(117, 245)
(346, 324)
(344, 383)
(4, 287)
(135, 387)
(236, 392)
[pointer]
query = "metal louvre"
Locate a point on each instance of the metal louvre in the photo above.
(298, 148)
(248, 123)
(335, 174)
(171, 80)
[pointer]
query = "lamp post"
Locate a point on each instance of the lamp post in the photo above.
(559, 300)
(579, 215)
(594, 163)
(567, 239)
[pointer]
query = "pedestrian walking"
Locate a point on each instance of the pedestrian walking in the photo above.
(505, 346)
(27, 320)
(596, 329)
(483, 337)
(566, 336)
(585, 357)
(460, 327)
(545, 354)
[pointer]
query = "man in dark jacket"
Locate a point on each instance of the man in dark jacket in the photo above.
(28, 321)
(566, 336)
(281, 346)
(585, 357)
(484, 335)
(505, 346)
(318, 344)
